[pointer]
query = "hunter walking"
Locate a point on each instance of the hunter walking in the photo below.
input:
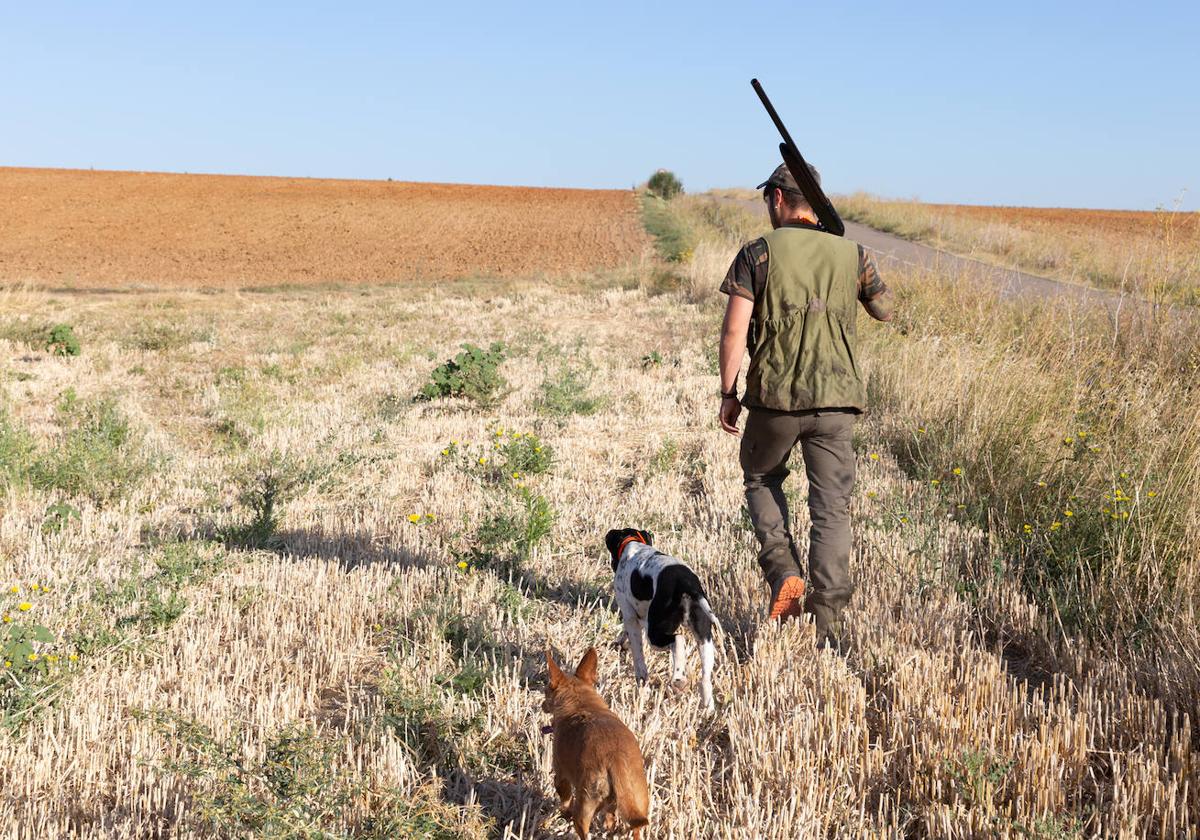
(793, 298)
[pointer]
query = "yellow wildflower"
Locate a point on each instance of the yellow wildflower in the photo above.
(921, 430)
(14, 589)
(482, 461)
(462, 564)
(33, 587)
(51, 658)
(445, 451)
(516, 475)
(870, 494)
(537, 449)
(936, 482)
(1068, 513)
(961, 506)
(957, 470)
(1124, 514)
(414, 518)
(74, 657)
(33, 657)
(903, 518)
(1083, 435)
(1055, 525)
(1068, 440)
(7, 618)
(1151, 494)
(1041, 484)
(24, 606)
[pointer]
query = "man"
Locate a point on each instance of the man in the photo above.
(799, 285)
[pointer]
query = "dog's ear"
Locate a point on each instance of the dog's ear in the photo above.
(587, 667)
(612, 540)
(648, 537)
(556, 675)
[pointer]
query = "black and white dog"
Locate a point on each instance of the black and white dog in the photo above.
(657, 595)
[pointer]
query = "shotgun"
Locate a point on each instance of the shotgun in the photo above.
(813, 194)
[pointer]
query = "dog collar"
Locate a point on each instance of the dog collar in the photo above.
(627, 541)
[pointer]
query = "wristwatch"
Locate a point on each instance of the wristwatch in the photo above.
(732, 395)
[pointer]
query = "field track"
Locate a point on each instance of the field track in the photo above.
(83, 229)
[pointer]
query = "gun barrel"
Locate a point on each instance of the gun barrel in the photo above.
(826, 213)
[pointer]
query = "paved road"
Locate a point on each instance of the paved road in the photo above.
(892, 249)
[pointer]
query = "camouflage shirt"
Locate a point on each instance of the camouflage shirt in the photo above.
(748, 273)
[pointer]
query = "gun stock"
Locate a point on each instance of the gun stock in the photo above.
(827, 215)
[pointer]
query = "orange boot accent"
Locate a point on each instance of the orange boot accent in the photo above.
(789, 602)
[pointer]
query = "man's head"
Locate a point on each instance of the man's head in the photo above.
(785, 202)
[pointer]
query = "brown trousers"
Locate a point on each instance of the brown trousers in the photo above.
(825, 442)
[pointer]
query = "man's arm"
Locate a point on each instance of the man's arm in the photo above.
(733, 347)
(876, 297)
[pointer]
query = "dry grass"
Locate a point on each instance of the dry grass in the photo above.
(1155, 255)
(422, 680)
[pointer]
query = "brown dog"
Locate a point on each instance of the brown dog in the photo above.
(597, 763)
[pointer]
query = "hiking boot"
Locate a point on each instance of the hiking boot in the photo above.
(830, 632)
(787, 598)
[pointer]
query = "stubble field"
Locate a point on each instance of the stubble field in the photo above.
(288, 598)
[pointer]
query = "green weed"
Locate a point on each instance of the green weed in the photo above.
(61, 341)
(473, 373)
(565, 393)
(94, 456)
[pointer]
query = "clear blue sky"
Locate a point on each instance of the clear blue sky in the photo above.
(1048, 103)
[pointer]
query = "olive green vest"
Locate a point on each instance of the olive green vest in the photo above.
(804, 348)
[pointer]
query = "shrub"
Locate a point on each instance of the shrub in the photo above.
(95, 455)
(61, 341)
(664, 184)
(29, 663)
(58, 515)
(506, 540)
(566, 393)
(266, 484)
(473, 373)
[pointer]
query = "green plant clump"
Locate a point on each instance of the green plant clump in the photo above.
(61, 341)
(664, 184)
(675, 237)
(95, 455)
(473, 373)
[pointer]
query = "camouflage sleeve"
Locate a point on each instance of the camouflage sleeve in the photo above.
(870, 284)
(749, 267)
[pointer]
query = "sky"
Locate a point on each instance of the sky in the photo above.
(1041, 104)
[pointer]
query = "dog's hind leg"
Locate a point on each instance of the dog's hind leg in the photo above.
(679, 659)
(563, 788)
(707, 654)
(585, 808)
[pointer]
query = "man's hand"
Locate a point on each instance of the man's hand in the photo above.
(728, 415)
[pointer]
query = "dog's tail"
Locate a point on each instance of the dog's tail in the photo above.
(628, 784)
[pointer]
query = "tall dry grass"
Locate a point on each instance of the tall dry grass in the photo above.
(375, 669)
(1155, 255)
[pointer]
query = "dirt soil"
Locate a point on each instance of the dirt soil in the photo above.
(86, 229)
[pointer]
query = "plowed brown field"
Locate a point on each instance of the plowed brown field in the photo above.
(84, 229)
